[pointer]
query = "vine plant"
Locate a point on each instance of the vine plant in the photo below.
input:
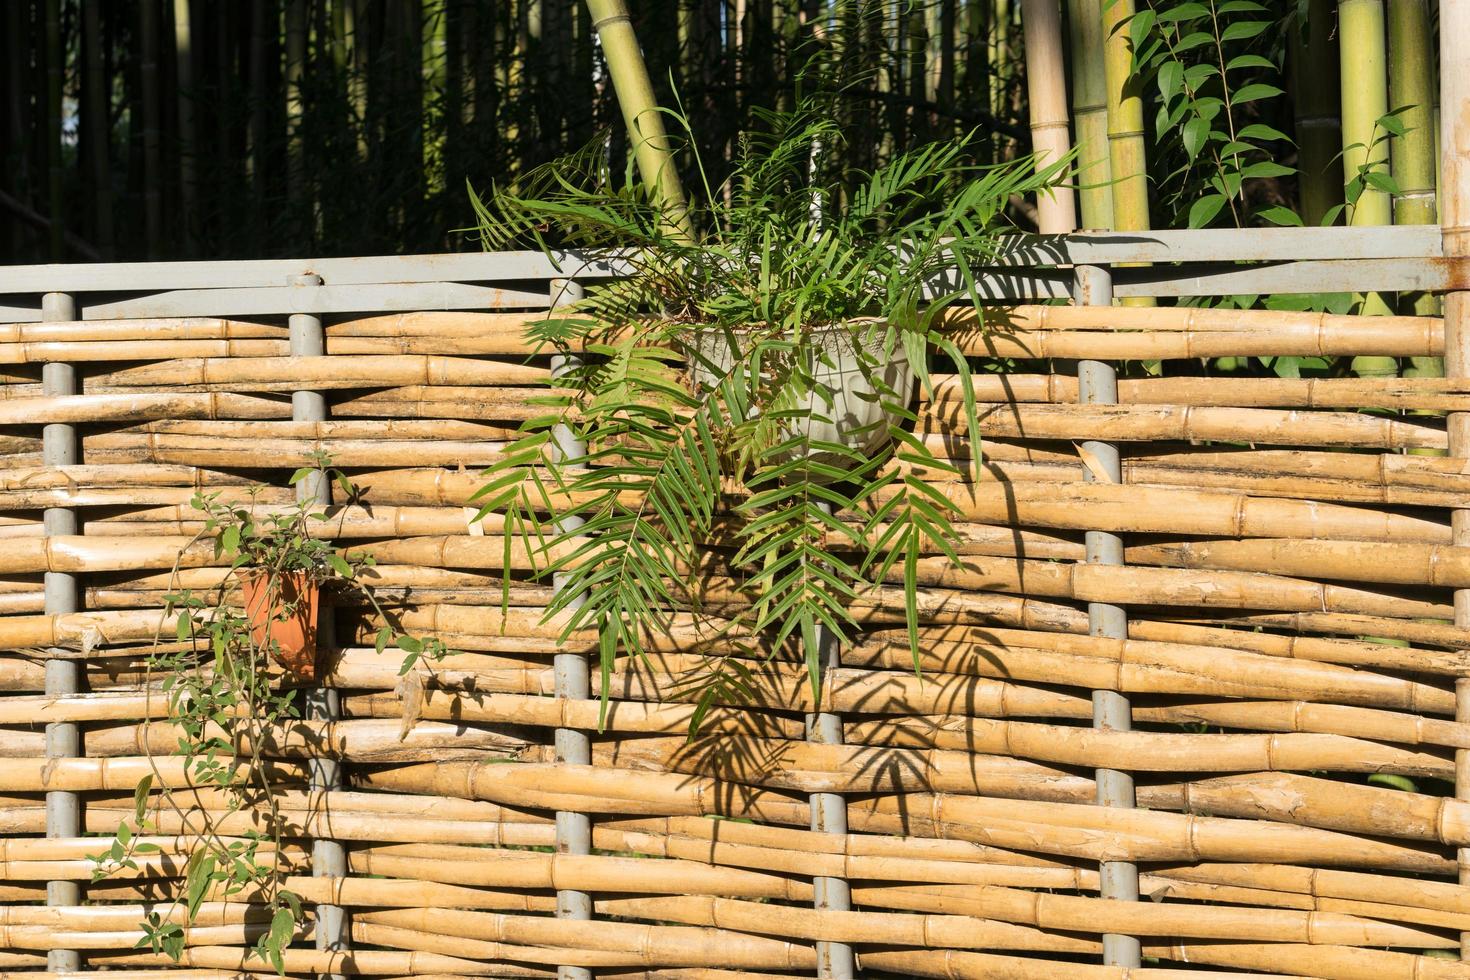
(229, 704)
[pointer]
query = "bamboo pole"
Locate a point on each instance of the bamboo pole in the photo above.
(1046, 88)
(641, 114)
(54, 110)
(1126, 154)
(1090, 114)
(1454, 202)
(1365, 144)
(97, 116)
(187, 95)
(1314, 76)
(148, 29)
(1414, 155)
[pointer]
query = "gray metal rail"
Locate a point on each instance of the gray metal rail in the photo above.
(328, 857)
(572, 674)
(59, 447)
(1184, 263)
(1097, 384)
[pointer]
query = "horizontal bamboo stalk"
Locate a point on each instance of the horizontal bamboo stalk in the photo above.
(1356, 653)
(236, 432)
(1227, 588)
(32, 775)
(40, 352)
(324, 373)
(128, 448)
(357, 962)
(1423, 394)
(132, 408)
(1168, 510)
(1437, 633)
(1108, 664)
(1045, 914)
(1075, 830)
(1100, 834)
(560, 941)
(1317, 802)
(159, 328)
(522, 869)
(1187, 423)
(961, 963)
(1156, 751)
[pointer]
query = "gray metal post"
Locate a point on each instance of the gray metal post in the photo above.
(59, 447)
(835, 961)
(1097, 384)
(328, 857)
(573, 676)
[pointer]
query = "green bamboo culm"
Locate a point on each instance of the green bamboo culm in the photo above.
(1126, 154)
(641, 114)
(1411, 85)
(1412, 88)
(1314, 70)
(1364, 60)
(1090, 114)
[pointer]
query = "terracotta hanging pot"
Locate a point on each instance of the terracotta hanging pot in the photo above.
(282, 613)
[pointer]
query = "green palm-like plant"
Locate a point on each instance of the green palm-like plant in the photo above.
(710, 486)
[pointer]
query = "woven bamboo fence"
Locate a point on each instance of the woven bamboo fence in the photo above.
(1290, 660)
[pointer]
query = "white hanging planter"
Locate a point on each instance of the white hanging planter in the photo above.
(855, 416)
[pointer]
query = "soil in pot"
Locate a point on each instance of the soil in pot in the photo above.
(282, 613)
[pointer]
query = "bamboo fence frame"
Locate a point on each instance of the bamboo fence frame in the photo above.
(1290, 658)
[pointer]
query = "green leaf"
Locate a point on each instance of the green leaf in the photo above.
(1254, 92)
(1203, 211)
(1267, 168)
(1243, 30)
(339, 565)
(1249, 61)
(300, 475)
(1391, 123)
(1279, 215)
(1260, 131)
(1394, 781)
(1381, 181)
(1194, 134)
(1171, 79)
(140, 798)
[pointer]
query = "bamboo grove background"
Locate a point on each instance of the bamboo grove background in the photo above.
(184, 129)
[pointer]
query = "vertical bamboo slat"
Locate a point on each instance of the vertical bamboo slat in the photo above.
(1454, 81)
